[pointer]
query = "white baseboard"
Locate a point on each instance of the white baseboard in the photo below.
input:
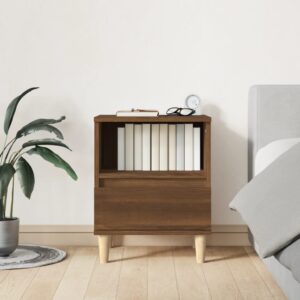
(82, 235)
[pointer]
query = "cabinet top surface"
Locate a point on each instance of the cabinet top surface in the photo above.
(159, 119)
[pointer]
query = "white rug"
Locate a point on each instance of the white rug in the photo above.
(31, 256)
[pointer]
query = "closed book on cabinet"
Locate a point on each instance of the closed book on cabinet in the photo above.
(146, 147)
(163, 147)
(180, 147)
(172, 147)
(121, 148)
(197, 148)
(155, 147)
(188, 147)
(129, 147)
(137, 147)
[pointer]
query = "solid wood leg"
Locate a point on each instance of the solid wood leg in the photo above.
(103, 242)
(200, 245)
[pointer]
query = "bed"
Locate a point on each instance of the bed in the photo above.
(274, 127)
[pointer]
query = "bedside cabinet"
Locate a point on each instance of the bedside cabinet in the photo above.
(150, 202)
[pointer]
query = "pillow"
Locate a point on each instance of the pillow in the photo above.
(270, 203)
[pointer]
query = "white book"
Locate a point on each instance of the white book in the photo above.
(146, 141)
(180, 147)
(188, 147)
(129, 147)
(172, 147)
(121, 148)
(138, 147)
(155, 147)
(197, 148)
(163, 147)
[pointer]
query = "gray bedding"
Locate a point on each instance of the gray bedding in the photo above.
(270, 204)
(290, 258)
(274, 114)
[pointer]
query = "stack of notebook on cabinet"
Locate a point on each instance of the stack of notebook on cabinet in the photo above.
(159, 147)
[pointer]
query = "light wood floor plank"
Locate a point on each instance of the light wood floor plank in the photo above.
(265, 275)
(218, 276)
(76, 278)
(133, 275)
(145, 273)
(105, 278)
(15, 283)
(245, 275)
(189, 275)
(3, 274)
(48, 278)
(161, 275)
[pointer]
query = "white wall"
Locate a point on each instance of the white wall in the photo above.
(95, 57)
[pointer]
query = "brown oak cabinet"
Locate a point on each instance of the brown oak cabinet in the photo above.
(150, 202)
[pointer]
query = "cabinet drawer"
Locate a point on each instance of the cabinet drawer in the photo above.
(152, 205)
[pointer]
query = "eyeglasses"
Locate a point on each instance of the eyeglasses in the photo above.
(179, 111)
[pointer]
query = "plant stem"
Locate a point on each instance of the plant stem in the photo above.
(7, 146)
(15, 157)
(12, 196)
(4, 146)
(8, 151)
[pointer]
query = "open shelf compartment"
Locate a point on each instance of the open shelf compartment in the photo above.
(108, 161)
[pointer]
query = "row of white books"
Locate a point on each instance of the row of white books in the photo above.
(159, 147)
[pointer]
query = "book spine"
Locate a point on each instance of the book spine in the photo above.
(180, 147)
(129, 147)
(197, 148)
(172, 147)
(155, 147)
(146, 148)
(138, 147)
(163, 147)
(121, 148)
(188, 147)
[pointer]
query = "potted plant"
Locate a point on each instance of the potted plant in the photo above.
(13, 163)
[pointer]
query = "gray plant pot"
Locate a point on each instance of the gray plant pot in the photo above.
(9, 236)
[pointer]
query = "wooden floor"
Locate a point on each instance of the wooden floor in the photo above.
(145, 273)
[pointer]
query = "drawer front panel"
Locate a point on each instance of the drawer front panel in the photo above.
(137, 205)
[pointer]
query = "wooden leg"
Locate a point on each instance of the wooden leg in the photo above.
(103, 242)
(200, 244)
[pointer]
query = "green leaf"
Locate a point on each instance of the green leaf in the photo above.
(11, 109)
(41, 124)
(53, 158)
(7, 171)
(51, 142)
(25, 176)
(30, 129)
